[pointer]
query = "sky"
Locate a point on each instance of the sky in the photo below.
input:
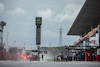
(19, 16)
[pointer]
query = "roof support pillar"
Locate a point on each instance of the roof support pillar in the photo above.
(98, 49)
(80, 37)
(91, 27)
(99, 34)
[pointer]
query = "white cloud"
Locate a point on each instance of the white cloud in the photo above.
(69, 12)
(45, 13)
(16, 12)
(49, 34)
(1, 7)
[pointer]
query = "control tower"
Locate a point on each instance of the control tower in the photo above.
(2, 24)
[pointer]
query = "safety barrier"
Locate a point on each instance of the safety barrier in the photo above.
(98, 54)
(9, 56)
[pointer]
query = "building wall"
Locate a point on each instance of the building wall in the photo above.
(51, 52)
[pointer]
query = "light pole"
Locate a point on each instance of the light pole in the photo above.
(31, 47)
(24, 44)
(7, 39)
(13, 43)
